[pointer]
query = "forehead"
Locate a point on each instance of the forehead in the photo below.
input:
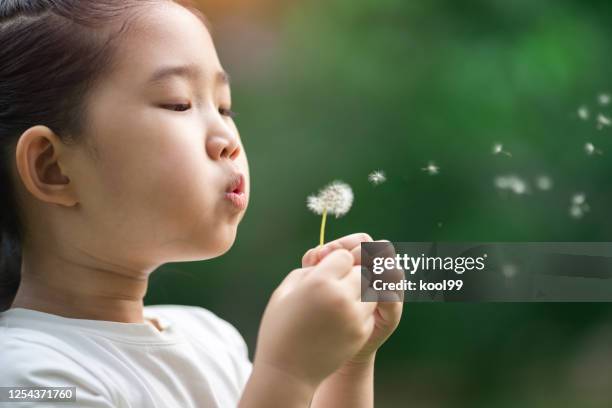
(164, 35)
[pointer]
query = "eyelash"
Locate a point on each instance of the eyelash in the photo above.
(225, 112)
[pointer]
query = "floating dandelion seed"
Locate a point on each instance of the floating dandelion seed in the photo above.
(511, 182)
(519, 187)
(576, 212)
(578, 199)
(590, 149)
(509, 271)
(431, 168)
(583, 112)
(579, 205)
(604, 98)
(335, 198)
(544, 183)
(498, 148)
(377, 177)
(602, 121)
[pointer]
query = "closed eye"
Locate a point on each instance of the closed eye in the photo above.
(227, 112)
(181, 107)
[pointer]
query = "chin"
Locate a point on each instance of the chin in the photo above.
(224, 240)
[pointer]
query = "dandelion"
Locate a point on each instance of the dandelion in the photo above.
(583, 112)
(431, 168)
(544, 183)
(335, 198)
(498, 148)
(377, 177)
(602, 121)
(590, 149)
(604, 98)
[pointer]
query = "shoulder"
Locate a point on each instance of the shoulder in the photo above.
(33, 359)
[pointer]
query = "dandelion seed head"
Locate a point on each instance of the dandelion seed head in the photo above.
(377, 177)
(583, 112)
(544, 183)
(604, 98)
(336, 197)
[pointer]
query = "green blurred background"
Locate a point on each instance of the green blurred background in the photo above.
(334, 89)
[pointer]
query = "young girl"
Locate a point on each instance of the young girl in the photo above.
(119, 154)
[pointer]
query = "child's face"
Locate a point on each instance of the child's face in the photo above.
(159, 186)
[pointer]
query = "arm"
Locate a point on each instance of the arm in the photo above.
(352, 385)
(271, 388)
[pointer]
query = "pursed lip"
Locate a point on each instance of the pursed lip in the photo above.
(236, 184)
(235, 192)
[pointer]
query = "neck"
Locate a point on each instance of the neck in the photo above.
(54, 283)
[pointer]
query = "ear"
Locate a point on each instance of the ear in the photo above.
(38, 158)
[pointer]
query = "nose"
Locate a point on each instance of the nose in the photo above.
(223, 144)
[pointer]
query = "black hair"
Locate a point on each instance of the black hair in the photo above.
(52, 52)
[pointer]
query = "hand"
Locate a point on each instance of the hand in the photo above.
(386, 314)
(315, 321)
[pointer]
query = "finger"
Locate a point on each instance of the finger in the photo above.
(390, 310)
(368, 308)
(395, 275)
(336, 264)
(352, 280)
(369, 324)
(308, 258)
(350, 242)
(355, 283)
(381, 248)
(356, 252)
(390, 313)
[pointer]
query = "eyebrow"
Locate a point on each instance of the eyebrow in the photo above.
(188, 71)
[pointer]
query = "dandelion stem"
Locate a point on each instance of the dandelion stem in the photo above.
(322, 238)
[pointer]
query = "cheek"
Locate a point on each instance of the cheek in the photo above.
(158, 187)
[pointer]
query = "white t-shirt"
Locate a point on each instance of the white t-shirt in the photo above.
(197, 360)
